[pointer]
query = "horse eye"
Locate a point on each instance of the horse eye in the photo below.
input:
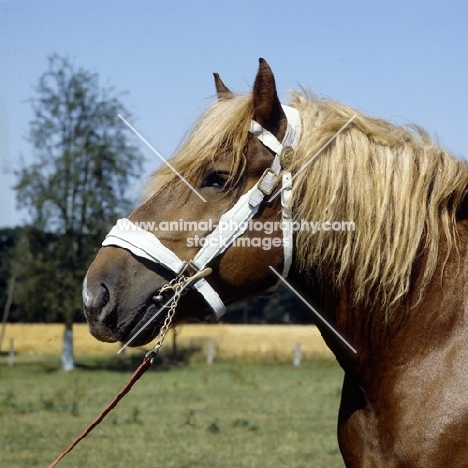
(216, 180)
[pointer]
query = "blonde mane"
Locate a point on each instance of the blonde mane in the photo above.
(400, 189)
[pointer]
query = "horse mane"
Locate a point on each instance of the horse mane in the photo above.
(399, 187)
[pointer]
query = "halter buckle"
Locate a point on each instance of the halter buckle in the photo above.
(268, 181)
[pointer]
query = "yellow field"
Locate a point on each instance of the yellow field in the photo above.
(253, 342)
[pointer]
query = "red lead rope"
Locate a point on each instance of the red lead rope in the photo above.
(143, 367)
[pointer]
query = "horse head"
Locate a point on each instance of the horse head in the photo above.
(224, 161)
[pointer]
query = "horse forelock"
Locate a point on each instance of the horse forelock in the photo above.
(221, 130)
(399, 188)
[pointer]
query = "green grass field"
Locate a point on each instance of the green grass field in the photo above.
(182, 416)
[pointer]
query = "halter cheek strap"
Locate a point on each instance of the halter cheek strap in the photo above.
(232, 224)
(284, 154)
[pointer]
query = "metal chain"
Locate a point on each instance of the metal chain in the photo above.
(178, 285)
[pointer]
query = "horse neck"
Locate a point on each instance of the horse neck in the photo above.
(419, 325)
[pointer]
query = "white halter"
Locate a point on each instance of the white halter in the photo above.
(234, 222)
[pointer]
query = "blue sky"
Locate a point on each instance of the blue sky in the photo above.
(406, 61)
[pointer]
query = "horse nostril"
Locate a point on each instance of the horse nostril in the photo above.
(95, 297)
(105, 296)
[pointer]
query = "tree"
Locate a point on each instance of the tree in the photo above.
(8, 239)
(75, 189)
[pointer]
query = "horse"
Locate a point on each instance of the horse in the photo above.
(392, 292)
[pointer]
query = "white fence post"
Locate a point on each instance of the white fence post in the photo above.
(67, 359)
(297, 355)
(209, 352)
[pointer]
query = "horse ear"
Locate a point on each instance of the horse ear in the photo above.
(223, 91)
(268, 111)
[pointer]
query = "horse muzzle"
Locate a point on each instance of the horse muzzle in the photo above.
(118, 308)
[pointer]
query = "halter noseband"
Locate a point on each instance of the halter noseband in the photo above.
(234, 222)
